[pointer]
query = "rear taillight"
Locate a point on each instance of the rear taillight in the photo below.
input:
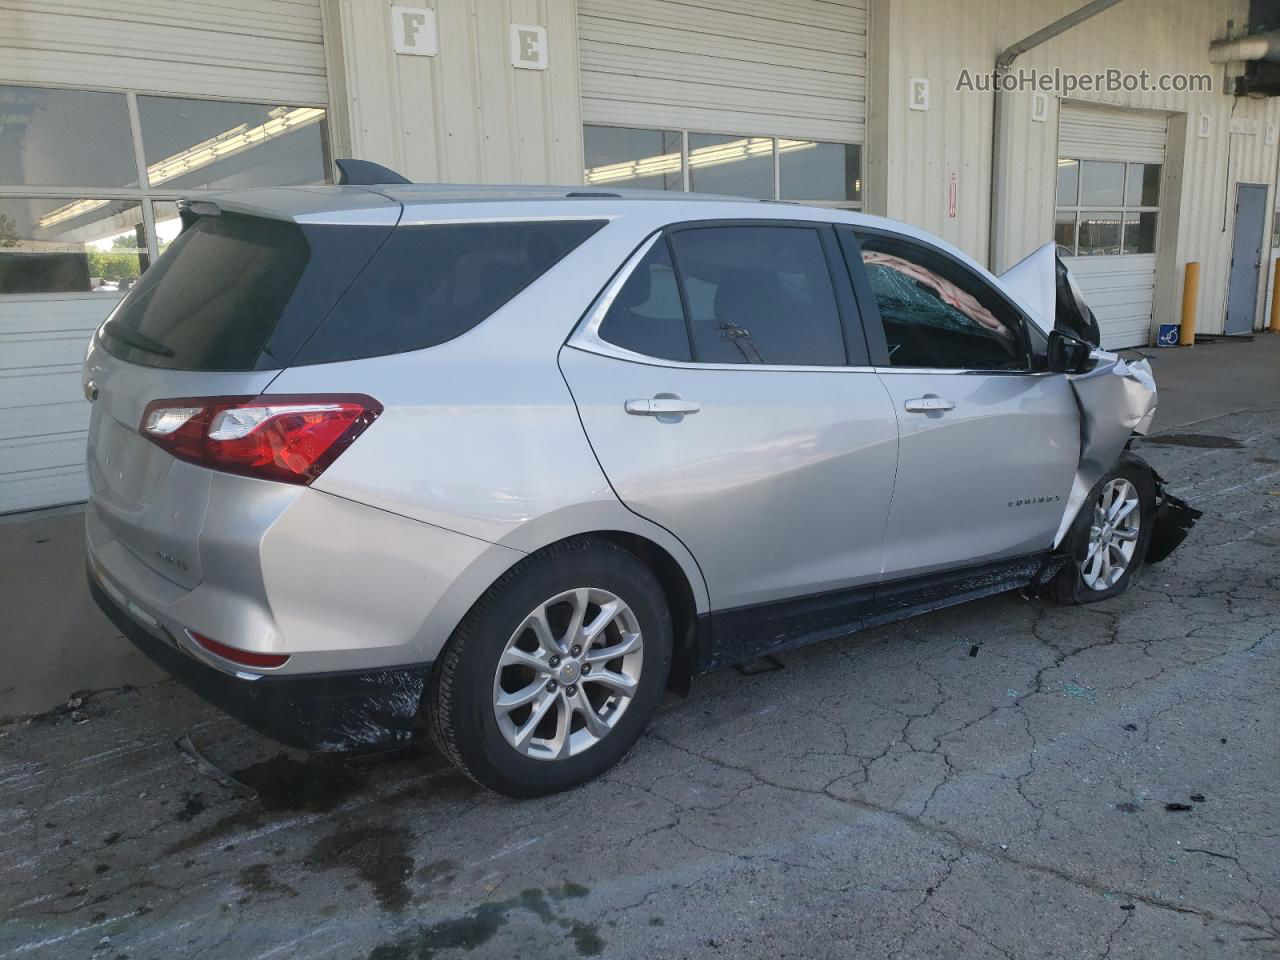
(287, 438)
(246, 658)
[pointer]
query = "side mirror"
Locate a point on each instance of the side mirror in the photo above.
(1068, 354)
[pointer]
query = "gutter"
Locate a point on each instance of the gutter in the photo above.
(996, 251)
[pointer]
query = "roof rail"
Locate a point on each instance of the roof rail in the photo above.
(364, 173)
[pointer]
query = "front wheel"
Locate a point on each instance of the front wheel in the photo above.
(556, 671)
(1108, 540)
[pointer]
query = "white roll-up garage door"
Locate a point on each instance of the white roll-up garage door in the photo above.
(791, 68)
(1118, 280)
(264, 58)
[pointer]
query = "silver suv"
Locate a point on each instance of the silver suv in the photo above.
(506, 464)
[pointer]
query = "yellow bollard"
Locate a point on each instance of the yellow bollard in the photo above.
(1275, 301)
(1190, 293)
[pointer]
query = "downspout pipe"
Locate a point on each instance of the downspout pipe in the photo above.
(998, 241)
(1260, 46)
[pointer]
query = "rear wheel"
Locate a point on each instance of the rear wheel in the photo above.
(556, 671)
(1108, 539)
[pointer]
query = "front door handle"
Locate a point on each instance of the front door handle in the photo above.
(928, 405)
(661, 407)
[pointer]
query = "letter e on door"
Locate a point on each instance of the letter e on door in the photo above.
(528, 47)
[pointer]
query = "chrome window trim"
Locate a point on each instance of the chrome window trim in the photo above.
(406, 221)
(967, 371)
(586, 336)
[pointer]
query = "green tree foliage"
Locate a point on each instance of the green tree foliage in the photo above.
(110, 265)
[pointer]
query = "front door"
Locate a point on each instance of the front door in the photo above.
(743, 430)
(987, 447)
(1246, 257)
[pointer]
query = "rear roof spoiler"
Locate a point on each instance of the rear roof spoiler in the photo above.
(365, 173)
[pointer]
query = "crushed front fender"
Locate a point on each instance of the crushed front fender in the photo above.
(1117, 398)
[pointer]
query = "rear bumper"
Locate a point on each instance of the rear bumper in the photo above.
(345, 711)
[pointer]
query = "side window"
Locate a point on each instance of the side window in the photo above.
(759, 294)
(646, 315)
(936, 313)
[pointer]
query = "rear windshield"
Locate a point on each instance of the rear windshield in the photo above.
(429, 284)
(238, 293)
(246, 293)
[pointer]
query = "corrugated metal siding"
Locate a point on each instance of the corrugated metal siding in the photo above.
(43, 416)
(466, 115)
(250, 49)
(1091, 133)
(936, 39)
(796, 68)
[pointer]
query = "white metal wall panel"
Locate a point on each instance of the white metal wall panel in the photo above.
(793, 68)
(250, 49)
(44, 418)
(1119, 289)
(467, 115)
(1094, 134)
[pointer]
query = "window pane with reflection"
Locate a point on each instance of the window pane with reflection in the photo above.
(1068, 182)
(66, 138)
(1101, 183)
(1064, 232)
(737, 166)
(1099, 233)
(1142, 185)
(808, 170)
(642, 159)
(1139, 233)
(70, 246)
(220, 145)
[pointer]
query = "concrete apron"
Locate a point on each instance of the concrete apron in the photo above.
(54, 642)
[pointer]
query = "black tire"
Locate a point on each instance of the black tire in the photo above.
(460, 698)
(1069, 586)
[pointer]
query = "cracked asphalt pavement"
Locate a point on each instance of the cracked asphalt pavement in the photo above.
(1005, 779)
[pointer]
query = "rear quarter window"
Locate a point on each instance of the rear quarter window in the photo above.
(431, 283)
(237, 293)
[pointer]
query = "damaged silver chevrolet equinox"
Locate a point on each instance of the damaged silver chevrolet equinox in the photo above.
(505, 464)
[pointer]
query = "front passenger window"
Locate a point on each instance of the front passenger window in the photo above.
(937, 316)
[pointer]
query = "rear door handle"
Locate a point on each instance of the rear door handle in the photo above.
(661, 406)
(928, 405)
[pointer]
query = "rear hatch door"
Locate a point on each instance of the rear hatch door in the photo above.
(222, 311)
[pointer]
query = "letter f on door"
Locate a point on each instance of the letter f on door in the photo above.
(412, 24)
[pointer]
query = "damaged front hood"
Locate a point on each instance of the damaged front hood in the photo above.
(1117, 398)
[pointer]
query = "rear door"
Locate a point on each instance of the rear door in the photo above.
(988, 445)
(722, 382)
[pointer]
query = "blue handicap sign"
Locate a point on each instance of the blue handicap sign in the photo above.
(1168, 335)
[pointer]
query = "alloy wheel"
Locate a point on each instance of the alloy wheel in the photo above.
(1113, 535)
(568, 673)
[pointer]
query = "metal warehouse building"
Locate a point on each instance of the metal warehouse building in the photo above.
(112, 111)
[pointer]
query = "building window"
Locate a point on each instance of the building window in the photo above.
(761, 167)
(1106, 208)
(80, 212)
